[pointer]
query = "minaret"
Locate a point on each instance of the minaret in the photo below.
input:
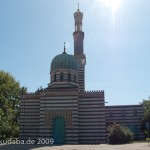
(78, 36)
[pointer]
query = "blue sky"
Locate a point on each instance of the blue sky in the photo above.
(116, 44)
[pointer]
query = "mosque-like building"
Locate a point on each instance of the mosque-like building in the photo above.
(66, 112)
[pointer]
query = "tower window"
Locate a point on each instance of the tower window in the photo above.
(123, 113)
(61, 76)
(69, 77)
(135, 112)
(55, 77)
(75, 79)
(110, 114)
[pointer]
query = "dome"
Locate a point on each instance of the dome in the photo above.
(64, 61)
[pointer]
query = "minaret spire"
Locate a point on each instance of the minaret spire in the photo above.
(78, 16)
(78, 34)
(78, 7)
(64, 48)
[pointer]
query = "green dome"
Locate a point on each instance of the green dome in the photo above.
(64, 61)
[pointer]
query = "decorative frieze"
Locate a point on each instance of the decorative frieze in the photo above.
(52, 114)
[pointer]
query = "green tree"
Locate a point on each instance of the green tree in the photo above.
(146, 108)
(119, 134)
(146, 116)
(10, 91)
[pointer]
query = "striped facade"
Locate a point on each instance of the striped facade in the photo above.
(81, 72)
(92, 128)
(79, 116)
(87, 115)
(29, 119)
(126, 115)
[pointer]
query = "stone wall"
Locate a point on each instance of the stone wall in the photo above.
(29, 118)
(92, 127)
(55, 104)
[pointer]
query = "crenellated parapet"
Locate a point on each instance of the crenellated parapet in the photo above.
(31, 95)
(51, 92)
(97, 93)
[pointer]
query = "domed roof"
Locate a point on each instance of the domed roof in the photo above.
(64, 61)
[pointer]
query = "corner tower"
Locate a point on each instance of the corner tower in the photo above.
(78, 36)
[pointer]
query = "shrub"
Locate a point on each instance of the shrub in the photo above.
(119, 134)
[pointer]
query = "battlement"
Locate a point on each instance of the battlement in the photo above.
(98, 93)
(95, 91)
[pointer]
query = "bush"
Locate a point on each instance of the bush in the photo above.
(119, 134)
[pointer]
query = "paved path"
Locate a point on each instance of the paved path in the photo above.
(133, 146)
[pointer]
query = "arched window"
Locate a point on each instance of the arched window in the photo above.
(69, 77)
(61, 76)
(75, 79)
(55, 77)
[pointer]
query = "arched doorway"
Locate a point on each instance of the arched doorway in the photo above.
(59, 130)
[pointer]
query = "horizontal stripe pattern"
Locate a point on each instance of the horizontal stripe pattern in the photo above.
(127, 115)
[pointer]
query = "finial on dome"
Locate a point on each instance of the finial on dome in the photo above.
(64, 48)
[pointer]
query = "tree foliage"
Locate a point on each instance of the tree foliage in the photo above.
(146, 116)
(10, 92)
(119, 134)
(146, 108)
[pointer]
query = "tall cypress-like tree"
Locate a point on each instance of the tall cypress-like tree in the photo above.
(10, 91)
